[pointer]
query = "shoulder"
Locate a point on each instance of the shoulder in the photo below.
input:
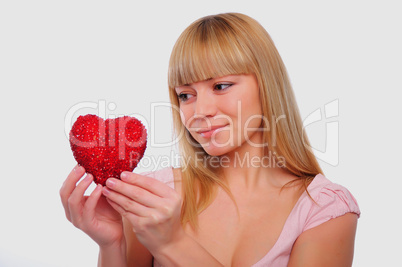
(328, 244)
(329, 228)
(328, 201)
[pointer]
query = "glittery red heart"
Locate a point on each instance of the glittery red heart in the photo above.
(106, 148)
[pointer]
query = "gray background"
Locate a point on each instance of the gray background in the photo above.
(55, 55)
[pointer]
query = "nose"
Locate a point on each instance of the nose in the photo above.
(205, 105)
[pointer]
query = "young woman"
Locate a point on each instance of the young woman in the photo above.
(250, 191)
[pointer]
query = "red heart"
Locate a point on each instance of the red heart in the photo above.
(107, 148)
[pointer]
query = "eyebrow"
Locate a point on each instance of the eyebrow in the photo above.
(188, 84)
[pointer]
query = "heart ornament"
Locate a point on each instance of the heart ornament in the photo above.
(106, 148)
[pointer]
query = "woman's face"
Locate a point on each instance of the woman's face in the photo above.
(221, 113)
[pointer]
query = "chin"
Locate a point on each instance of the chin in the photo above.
(216, 151)
(217, 146)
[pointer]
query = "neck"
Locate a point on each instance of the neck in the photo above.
(248, 167)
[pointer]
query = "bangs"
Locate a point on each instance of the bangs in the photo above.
(207, 49)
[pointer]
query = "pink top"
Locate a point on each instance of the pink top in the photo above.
(333, 201)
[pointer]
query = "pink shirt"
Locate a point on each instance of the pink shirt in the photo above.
(333, 201)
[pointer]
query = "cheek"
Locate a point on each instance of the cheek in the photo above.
(182, 116)
(230, 107)
(251, 112)
(185, 115)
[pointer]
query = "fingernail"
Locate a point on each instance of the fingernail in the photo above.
(124, 175)
(87, 178)
(110, 182)
(105, 191)
(78, 169)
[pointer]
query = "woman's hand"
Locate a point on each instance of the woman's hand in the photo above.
(92, 214)
(152, 208)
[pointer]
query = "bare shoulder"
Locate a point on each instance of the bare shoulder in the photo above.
(323, 244)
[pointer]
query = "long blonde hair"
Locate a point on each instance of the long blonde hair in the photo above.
(225, 44)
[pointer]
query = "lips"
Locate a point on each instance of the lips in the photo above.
(207, 132)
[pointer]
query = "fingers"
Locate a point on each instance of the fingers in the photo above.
(152, 185)
(132, 192)
(141, 198)
(91, 202)
(129, 199)
(124, 204)
(132, 217)
(76, 200)
(118, 208)
(69, 186)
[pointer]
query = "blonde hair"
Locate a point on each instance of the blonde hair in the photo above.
(227, 44)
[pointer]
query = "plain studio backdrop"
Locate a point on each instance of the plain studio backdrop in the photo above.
(61, 59)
